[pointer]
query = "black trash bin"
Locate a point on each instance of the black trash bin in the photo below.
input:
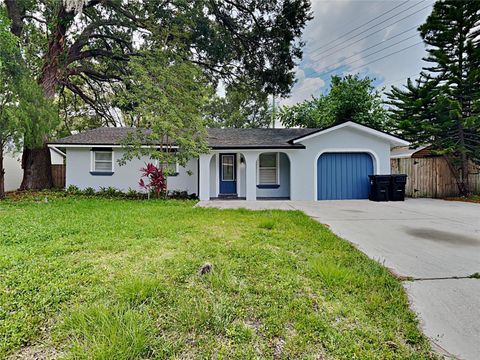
(397, 187)
(379, 187)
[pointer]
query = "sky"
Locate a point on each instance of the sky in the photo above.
(339, 41)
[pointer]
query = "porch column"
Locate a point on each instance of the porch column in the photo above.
(251, 175)
(204, 176)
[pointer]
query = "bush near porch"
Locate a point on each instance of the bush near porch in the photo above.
(109, 278)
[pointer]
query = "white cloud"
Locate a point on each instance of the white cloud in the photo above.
(304, 89)
(333, 19)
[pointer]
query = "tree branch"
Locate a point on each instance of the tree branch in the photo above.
(245, 9)
(87, 99)
(82, 40)
(42, 21)
(98, 52)
(15, 14)
(114, 38)
(94, 75)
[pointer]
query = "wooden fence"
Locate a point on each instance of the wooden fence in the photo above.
(58, 176)
(431, 177)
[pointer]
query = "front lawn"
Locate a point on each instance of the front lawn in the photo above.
(117, 279)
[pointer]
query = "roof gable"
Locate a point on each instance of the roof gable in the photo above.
(394, 140)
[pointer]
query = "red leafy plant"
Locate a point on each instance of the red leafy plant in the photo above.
(156, 180)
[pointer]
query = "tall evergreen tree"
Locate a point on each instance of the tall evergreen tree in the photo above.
(22, 105)
(443, 108)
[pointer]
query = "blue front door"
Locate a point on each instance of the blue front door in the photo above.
(228, 174)
(343, 176)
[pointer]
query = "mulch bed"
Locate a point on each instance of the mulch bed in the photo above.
(471, 199)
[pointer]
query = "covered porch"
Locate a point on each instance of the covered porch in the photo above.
(245, 174)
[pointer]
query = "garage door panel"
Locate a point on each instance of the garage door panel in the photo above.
(343, 176)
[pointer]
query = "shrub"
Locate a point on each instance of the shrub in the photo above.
(157, 182)
(73, 190)
(110, 192)
(133, 194)
(89, 191)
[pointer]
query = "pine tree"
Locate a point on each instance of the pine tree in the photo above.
(443, 108)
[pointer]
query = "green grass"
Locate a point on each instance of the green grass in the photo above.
(117, 279)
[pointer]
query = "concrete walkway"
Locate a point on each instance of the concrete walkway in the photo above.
(435, 242)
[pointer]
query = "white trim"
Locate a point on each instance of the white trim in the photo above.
(92, 161)
(392, 139)
(103, 146)
(401, 156)
(257, 150)
(277, 167)
(406, 153)
(373, 154)
(60, 152)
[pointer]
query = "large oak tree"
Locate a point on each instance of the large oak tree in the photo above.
(80, 48)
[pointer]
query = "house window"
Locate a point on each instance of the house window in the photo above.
(268, 169)
(103, 161)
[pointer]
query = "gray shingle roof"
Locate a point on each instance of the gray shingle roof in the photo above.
(99, 136)
(217, 138)
(258, 138)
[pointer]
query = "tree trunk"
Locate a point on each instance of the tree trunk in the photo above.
(37, 169)
(2, 176)
(465, 190)
(464, 161)
(36, 162)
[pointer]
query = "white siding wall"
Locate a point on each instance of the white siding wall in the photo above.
(57, 159)
(124, 177)
(13, 171)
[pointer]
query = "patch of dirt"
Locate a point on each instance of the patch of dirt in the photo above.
(35, 352)
(472, 199)
(254, 324)
(34, 195)
(278, 345)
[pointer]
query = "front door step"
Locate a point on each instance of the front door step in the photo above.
(228, 196)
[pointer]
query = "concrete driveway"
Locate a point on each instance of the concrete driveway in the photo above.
(435, 243)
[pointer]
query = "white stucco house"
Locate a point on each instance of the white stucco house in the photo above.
(296, 164)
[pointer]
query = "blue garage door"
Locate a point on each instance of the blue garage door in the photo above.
(343, 176)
